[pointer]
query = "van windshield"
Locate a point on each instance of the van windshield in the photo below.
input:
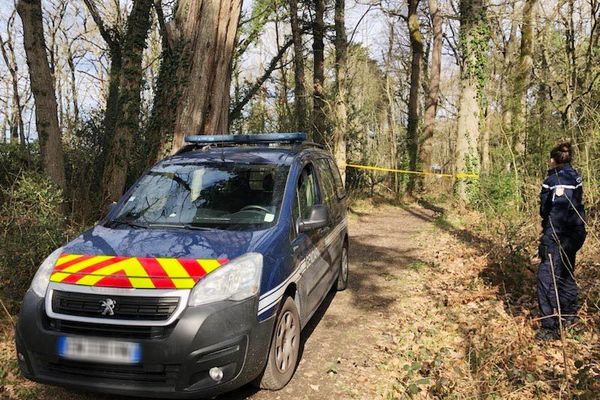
(206, 196)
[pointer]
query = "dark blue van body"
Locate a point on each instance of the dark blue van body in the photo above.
(175, 353)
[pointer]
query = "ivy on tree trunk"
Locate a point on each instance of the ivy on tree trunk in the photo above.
(194, 81)
(130, 85)
(474, 37)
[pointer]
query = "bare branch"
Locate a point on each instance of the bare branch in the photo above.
(104, 31)
(358, 23)
(237, 109)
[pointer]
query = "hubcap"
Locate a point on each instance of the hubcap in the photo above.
(286, 343)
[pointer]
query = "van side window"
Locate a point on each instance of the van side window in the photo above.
(327, 184)
(306, 193)
(339, 185)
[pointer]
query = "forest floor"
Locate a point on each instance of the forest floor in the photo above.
(426, 315)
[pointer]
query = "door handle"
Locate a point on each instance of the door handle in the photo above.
(324, 230)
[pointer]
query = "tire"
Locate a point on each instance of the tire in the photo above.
(285, 348)
(342, 281)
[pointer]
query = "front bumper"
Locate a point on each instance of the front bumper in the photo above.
(175, 361)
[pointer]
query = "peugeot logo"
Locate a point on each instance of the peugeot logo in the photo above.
(109, 307)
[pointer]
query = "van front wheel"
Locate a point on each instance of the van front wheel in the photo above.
(342, 281)
(285, 347)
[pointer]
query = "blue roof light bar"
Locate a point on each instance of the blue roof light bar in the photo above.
(293, 137)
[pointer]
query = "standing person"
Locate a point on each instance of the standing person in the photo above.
(563, 234)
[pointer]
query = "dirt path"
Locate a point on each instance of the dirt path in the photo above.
(347, 342)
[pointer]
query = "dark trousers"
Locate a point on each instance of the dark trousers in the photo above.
(563, 261)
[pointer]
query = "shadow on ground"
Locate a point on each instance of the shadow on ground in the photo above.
(507, 270)
(369, 260)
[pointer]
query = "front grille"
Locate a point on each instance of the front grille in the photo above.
(129, 373)
(136, 308)
(111, 331)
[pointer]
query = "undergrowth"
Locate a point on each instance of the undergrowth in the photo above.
(486, 267)
(474, 337)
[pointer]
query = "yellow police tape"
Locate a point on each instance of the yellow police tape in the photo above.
(460, 175)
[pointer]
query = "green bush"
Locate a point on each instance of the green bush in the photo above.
(83, 166)
(498, 194)
(31, 227)
(14, 159)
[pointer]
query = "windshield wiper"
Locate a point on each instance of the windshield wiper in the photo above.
(199, 228)
(181, 226)
(128, 223)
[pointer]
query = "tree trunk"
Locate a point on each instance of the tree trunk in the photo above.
(42, 87)
(506, 85)
(391, 111)
(112, 109)
(319, 124)
(130, 83)
(474, 35)
(209, 28)
(522, 79)
(17, 129)
(194, 81)
(341, 60)
(485, 147)
(568, 115)
(416, 46)
(299, 89)
(433, 93)
(159, 135)
(283, 107)
(73, 83)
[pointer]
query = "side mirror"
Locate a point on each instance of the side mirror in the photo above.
(319, 216)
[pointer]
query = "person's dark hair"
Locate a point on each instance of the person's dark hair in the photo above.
(562, 153)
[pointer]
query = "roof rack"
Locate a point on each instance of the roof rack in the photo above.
(259, 138)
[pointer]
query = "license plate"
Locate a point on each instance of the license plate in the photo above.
(99, 350)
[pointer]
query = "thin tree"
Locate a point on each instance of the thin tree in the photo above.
(300, 106)
(572, 75)
(112, 38)
(341, 61)
(522, 78)
(433, 91)
(42, 87)
(416, 47)
(8, 55)
(73, 78)
(319, 124)
(508, 51)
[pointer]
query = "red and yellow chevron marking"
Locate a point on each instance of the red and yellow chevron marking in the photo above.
(132, 272)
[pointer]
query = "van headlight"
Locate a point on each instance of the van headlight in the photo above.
(237, 280)
(40, 281)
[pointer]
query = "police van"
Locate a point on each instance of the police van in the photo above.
(200, 278)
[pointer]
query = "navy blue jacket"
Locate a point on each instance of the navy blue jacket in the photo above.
(561, 203)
